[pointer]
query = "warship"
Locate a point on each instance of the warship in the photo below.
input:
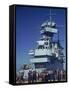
(48, 54)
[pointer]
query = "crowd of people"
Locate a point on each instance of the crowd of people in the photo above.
(45, 76)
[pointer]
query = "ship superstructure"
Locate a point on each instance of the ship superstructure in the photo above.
(48, 54)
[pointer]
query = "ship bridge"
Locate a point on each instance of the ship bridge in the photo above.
(48, 26)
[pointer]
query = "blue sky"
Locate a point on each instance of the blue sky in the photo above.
(28, 22)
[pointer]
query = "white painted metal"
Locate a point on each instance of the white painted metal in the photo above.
(39, 60)
(52, 30)
(40, 52)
